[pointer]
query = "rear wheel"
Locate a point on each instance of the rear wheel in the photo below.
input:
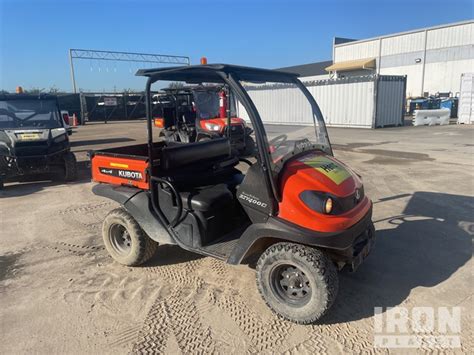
(297, 282)
(125, 240)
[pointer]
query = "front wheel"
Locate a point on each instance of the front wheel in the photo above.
(297, 282)
(70, 167)
(124, 239)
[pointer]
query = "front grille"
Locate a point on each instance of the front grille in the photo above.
(31, 148)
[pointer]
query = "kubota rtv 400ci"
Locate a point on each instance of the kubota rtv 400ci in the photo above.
(302, 212)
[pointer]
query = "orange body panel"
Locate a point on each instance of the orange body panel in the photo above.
(120, 171)
(298, 176)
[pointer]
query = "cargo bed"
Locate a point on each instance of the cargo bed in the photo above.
(124, 165)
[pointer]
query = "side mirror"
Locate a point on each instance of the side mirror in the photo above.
(159, 122)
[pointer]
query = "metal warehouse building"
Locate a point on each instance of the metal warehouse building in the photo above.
(433, 59)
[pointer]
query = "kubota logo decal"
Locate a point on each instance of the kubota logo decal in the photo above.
(327, 167)
(126, 174)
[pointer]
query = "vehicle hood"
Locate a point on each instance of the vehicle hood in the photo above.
(13, 136)
(31, 142)
(321, 172)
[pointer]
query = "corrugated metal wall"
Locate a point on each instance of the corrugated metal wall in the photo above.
(389, 110)
(432, 58)
(364, 102)
(346, 102)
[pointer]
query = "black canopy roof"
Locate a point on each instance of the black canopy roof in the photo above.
(210, 73)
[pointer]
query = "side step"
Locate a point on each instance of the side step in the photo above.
(222, 247)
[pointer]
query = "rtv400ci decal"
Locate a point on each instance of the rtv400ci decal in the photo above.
(252, 200)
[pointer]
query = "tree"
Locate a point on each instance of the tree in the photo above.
(34, 90)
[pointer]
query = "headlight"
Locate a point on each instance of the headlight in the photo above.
(212, 127)
(55, 132)
(318, 201)
(328, 204)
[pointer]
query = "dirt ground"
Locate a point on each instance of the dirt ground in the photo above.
(61, 293)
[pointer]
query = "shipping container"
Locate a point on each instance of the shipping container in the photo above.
(371, 101)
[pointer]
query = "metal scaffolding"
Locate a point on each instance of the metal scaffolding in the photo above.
(122, 57)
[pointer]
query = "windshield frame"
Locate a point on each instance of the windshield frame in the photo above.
(318, 127)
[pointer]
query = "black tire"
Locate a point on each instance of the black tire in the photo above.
(311, 282)
(125, 240)
(70, 167)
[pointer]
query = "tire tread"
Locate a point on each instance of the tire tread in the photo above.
(314, 257)
(146, 246)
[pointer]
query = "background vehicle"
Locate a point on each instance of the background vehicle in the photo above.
(297, 208)
(197, 113)
(33, 138)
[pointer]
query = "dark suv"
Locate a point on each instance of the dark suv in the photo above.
(33, 138)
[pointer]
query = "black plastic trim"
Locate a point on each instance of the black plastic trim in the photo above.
(280, 229)
(137, 203)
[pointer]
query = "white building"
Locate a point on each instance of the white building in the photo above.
(433, 58)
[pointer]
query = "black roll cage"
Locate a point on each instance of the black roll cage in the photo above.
(231, 76)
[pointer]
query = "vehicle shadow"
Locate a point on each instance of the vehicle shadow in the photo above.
(426, 246)
(171, 255)
(28, 185)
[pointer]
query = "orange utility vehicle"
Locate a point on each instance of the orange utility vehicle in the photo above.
(295, 207)
(198, 113)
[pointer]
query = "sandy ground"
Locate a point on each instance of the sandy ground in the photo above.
(61, 293)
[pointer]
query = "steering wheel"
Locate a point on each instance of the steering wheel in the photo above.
(276, 142)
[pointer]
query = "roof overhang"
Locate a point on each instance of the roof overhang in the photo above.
(352, 65)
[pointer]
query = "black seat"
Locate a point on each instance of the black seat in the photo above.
(206, 198)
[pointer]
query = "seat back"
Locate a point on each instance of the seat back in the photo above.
(168, 116)
(201, 154)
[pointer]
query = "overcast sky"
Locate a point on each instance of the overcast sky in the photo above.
(35, 35)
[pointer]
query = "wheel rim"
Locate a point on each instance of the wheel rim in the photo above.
(290, 285)
(120, 239)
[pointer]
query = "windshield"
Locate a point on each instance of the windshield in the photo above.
(292, 120)
(207, 103)
(29, 114)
